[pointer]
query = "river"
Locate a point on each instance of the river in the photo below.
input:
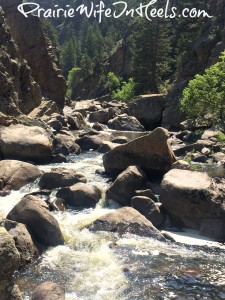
(105, 266)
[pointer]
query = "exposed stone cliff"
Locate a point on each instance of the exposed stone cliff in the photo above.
(29, 36)
(118, 62)
(18, 91)
(205, 52)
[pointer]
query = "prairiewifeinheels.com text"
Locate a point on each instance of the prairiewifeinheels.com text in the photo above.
(153, 9)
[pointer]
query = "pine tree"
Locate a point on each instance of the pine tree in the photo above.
(151, 54)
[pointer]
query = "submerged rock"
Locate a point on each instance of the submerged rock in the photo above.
(43, 227)
(193, 201)
(48, 291)
(80, 195)
(125, 185)
(60, 177)
(126, 220)
(151, 152)
(15, 174)
(26, 143)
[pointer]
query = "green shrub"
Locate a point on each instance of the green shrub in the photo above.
(71, 79)
(113, 82)
(205, 94)
(220, 137)
(126, 92)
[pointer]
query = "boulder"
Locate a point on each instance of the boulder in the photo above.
(181, 164)
(100, 116)
(193, 201)
(43, 227)
(148, 110)
(46, 108)
(93, 141)
(99, 127)
(120, 140)
(65, 144)
(15, 174)
(125, 185)
(80, 195)
(125, 123)
(107, 146)
(48, 291)
(151, 152)
(9, 256)
(146, 193)
(126, 220)
(26, 143)
(149, 209)
(76, 121)
(59, 158)
(9, 263)
(23, 241)
(60, 177)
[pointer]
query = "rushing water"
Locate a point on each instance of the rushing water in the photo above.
(104, 266)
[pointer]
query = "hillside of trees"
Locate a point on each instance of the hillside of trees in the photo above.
(156, 48)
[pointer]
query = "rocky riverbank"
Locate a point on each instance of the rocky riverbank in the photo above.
(153, 180)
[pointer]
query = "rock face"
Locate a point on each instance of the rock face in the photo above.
(192, 201)
(16, 174)
(26, 143)
(49, 291)
(80, 195)
(126, 220)
(125, 185)
(204, 52)
(126, 123)
(151, 152)
(33, 212)
(18, 90)
(29, 36)
(60, 177)
(118, 62)
(148, 110)
(23, 242)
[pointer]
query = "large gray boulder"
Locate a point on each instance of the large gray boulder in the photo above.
(48, 291)
(125, 185)
(193, 200)
(151, 152)
(26, 143)
(9, 263)
(60, 177)
(65, 144)
(80, 195)
(148, 109)
(23, 242)
(125, 123)
(15, 174)
(92, 140)
(126, 220)
(43, 227)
